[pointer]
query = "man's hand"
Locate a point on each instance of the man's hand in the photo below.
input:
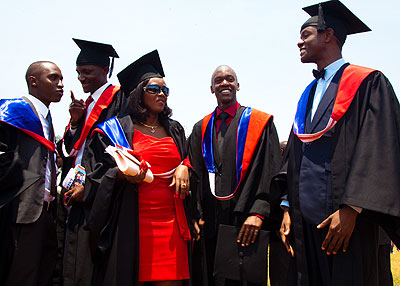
(249, 231)
(77, 194)
(196, 226)
(285, 230)
(341, 225)
(76, 109)
(181, 181)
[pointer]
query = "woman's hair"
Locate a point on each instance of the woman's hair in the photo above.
(138, 110)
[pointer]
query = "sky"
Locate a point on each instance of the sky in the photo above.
(257, 38)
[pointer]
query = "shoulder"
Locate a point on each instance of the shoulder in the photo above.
(198, 126)
(175, 125)
(366, 77)
(361, 73)
(258, 113)
(7, 104)
(261, 118)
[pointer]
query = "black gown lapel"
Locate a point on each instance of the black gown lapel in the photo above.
(228, 158)
(326, 101)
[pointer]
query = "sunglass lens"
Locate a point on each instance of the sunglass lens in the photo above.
(153, 88)
(165, 90)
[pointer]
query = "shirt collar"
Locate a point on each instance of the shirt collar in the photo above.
(40, 107)
(332, 69)
(231, 110)
(99, 91)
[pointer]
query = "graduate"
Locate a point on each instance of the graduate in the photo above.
(235, 154)
(28, 242)
(343, 159)
(104, 101)
(139, 229)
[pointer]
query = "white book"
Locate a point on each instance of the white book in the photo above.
(127, 163)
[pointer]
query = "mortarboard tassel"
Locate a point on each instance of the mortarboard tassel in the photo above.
(321, 26)
(111, 67)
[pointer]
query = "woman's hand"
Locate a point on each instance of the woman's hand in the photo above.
(181, 181)
(139, 177)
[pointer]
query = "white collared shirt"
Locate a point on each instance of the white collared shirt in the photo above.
(42, 111)
(96, 95)
(323, 83)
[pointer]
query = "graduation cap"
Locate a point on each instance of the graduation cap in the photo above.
(334, 14)
(97, 54)
(148, 66)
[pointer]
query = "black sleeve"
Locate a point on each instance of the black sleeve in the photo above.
(197, 172)
(373, 180)
(265, 165)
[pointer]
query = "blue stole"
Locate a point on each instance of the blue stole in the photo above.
(19, 114)
(300, 117)
(113, 130)
(207, 147)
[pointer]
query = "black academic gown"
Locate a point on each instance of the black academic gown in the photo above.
(364, 156)
(74, 254)
(253, 195)
(23, 221)
(113, 221)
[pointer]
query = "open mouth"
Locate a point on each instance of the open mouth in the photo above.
(225, 90)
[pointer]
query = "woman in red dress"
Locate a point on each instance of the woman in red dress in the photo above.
(139, 230)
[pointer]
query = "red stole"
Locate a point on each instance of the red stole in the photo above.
(103, 102)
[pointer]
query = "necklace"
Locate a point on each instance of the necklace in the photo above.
(152, 128)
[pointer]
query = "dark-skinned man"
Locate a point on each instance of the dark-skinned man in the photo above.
(343, 157)
(224, 195)
(104, 101)
(28, 243)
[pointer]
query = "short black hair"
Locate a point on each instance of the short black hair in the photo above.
(35, 69)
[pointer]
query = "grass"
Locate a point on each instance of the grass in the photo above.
(395, 263)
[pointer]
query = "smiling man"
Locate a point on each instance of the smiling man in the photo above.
(230, 190)
(28, 244)
(343, 159)
(104, 101)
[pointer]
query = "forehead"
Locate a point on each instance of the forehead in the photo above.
(223, 72)
(89, 67)
(50, 68)
(309, 29)
(156, 80)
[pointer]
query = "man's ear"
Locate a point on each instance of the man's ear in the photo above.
(329, 35)
(212, 89)
(32, 80)
(238, 87)
(106, 70)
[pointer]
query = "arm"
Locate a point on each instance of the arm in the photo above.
(266, 163)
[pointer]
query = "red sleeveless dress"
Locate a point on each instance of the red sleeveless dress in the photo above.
(162, 249)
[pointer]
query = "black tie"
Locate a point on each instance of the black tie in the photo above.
(319, 73)
(53, 176)
(223, 126)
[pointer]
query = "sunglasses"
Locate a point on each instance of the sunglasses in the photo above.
(155, 89)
